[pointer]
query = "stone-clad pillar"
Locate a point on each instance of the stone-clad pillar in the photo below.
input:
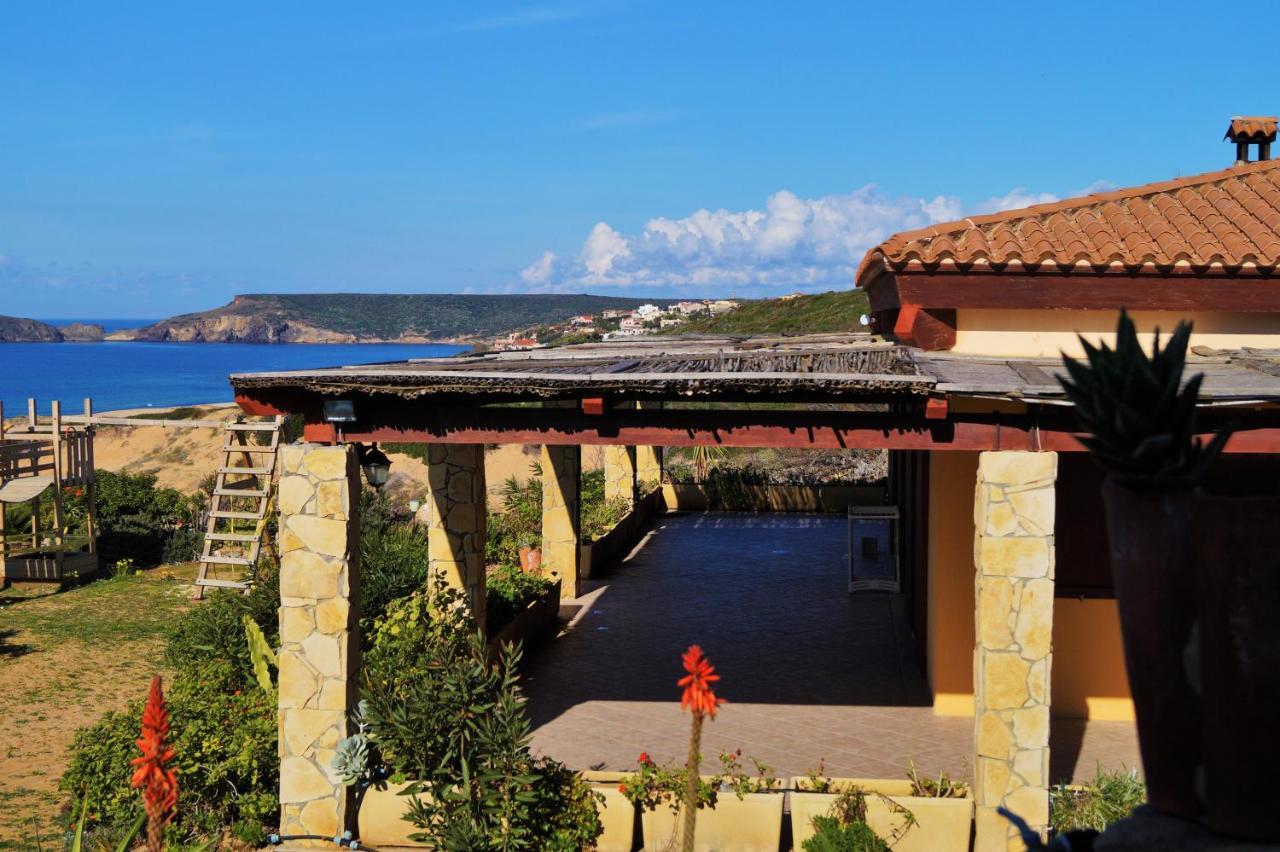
(319, 501)
(1013, 554)
(456, 512)
(649, 459)
(561, 488)
(620, 473)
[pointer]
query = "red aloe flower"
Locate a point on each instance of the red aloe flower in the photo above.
(697, 684)
(159, 784)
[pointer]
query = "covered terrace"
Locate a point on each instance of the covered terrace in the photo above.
(974, 443)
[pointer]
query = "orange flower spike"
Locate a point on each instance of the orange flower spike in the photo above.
(698, 695)
(158, 782)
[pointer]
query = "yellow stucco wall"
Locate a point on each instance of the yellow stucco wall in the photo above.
(952, 480)
(1088, 676)
(1088, 679)
(1046, 333)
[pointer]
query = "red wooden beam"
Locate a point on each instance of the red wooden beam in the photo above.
(931, 329)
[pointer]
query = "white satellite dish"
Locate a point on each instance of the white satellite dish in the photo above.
(864, 319)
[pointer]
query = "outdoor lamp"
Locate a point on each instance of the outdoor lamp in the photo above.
(339, 411)
(376, 466)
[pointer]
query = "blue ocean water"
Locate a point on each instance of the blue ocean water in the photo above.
(134, 375)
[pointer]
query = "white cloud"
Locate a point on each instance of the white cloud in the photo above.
(539, 272)
(791, 243)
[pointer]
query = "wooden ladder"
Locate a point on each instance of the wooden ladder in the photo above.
(229, 541)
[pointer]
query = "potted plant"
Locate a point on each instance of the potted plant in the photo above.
(530, 557)
(1141, 422)
(736, 810)
(913, 814)
(617, 812)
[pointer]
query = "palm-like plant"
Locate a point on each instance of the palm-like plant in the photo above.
(1139, 415)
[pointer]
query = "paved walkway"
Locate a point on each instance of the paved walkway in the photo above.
(811, 674)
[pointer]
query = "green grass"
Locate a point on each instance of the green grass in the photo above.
(836, 311)
(101, 613)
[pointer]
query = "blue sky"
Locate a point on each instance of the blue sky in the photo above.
(160, 157)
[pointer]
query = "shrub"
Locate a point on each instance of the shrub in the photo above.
(1111, 796)
(508, 590)
(136, 519)
(393, 557)
(832, 835)
(208, 642)
(440, 714)
(226, 760)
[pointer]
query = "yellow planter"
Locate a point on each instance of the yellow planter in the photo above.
(381, 819)
(617, 814)
(943, 825)
(750, 824)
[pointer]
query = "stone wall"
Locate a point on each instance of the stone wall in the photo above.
(319, 641)
(1013, 555)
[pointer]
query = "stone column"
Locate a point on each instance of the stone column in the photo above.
(1013, 553)
(319, 501)
(456, 512)
(649, 459)
(561, 488)
(620, 473)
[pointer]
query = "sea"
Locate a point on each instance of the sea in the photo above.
(142, 375)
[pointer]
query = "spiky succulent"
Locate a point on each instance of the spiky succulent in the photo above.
(351, 759)
(1139, 415)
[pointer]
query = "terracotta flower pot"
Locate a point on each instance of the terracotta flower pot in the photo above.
(1237, 550)
(1151, 567)
(530, 559)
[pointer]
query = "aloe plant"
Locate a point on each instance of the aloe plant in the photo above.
(1139, 414)
(260, 653)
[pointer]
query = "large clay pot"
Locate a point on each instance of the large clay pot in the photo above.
(1237, 549)
(1151, 567)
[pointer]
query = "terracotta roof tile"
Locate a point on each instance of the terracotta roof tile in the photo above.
(1229, 218)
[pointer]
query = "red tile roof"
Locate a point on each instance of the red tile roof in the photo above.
(1222, 221)
(1252, 128)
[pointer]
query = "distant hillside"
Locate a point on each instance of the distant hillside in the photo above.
(822, 312)
(365, 317)
(19, 330)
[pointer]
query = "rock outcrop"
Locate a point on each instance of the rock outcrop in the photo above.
(83, 332)
(238, 328)
(21, 330)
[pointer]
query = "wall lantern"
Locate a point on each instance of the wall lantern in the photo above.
(376, 466)
(339, 411)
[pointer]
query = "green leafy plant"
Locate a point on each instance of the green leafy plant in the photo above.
(654, 784)
(733, 777)
(832, 835)
(508, 591)
(1110, 797)
(1140, 416)
(441, 715)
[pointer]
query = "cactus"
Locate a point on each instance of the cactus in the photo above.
(260, 653)
(1140, 416)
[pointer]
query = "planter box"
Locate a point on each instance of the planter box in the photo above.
(944, 825)
(535, 619)
(781, 498)
(617, 814)
(750, 824)
(381, 820)
(613, 546)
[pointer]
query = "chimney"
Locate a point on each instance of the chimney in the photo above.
(1249, 129)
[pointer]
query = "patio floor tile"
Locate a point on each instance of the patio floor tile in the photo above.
(810, 672)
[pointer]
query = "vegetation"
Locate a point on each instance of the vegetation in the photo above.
(138, 521)
(437, 713)
(182, 412)
(832, 835)
(838, 310)
(429, 315)
(1110, 797)
(1140, 416)
(18, 330)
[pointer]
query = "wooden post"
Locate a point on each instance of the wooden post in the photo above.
(90, 488)
(31, 414)
(58, 539)
(3, 464)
